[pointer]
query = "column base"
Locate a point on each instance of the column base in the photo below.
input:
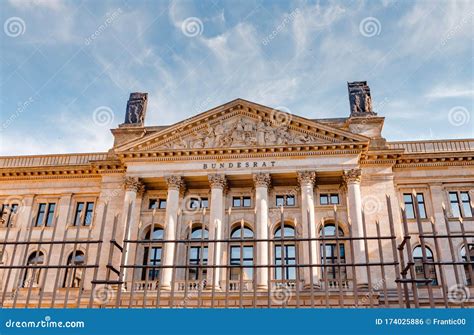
(165, 287)
(364, 286)
(261, 288)
(316, 285)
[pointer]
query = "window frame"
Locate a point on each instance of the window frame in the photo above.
(418, 262)
(199, 244)
(411, 205)
(153, 246)
(10, 211)
(47, 216)
(242, 199)
(460, 203)
(81, 216)
(285, 198)
(284, 270)
(329, 196)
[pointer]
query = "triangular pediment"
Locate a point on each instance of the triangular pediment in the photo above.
(241, 124)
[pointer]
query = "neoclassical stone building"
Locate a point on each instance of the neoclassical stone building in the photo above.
(242, 206)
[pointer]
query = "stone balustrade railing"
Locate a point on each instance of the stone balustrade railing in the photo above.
(50, 160)
(433, 146)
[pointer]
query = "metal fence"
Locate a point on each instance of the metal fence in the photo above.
(395, 275)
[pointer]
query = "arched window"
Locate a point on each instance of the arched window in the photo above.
(32, 274)
(285, 253)
(73, 276)
(468, 258)
(197, 253)
(330, 256)
(152, 254)
(427, 271)
(241, 254)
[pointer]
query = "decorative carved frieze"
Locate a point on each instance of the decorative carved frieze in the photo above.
(133, 184)
(241, 132)
(306, 177)
(352, 176)
(175, 183)
(217, 181)
(262, 179)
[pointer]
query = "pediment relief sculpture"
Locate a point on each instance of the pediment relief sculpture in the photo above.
(241, 132)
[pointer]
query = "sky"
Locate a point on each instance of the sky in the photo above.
(68, 67)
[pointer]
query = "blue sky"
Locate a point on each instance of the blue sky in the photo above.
(63, 63)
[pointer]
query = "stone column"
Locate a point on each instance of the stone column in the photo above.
(132, 186)
(175, 184)
(216, 219)
(262, 183)
(354, 206)
(310, 249)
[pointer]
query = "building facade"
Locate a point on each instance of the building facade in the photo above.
(242, 206)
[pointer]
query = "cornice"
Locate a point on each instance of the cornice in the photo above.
(93, 170)
(435, 159)
(236, 153)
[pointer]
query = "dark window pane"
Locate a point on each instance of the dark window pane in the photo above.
(335, 199)
(50, 216)
(162, 204)
(323, 199)
(77, 217)
(290, 200)
(236, 202)
(453, 196)
(204, 203)
(280, 200)
(40, 217)
(247, 201)
(152, 203)
(89, 212)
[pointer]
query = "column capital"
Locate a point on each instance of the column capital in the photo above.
(306, 177)
(175, 183)
(133, 184)
(262, 179)
(352, 176)
(217, 181)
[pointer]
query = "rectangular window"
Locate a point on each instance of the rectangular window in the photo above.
(157, 203)
(285, 200)
(329, 199)
(410, 205)
(197, 256)
(84, 212)
(242, 262)
(8, 213)
(283, 269)
(199, 203)
(460, 204)
(241, 202)
(45, 215)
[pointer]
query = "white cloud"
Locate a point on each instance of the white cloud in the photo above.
(33, 4)
(440, 92)
(310, 19)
